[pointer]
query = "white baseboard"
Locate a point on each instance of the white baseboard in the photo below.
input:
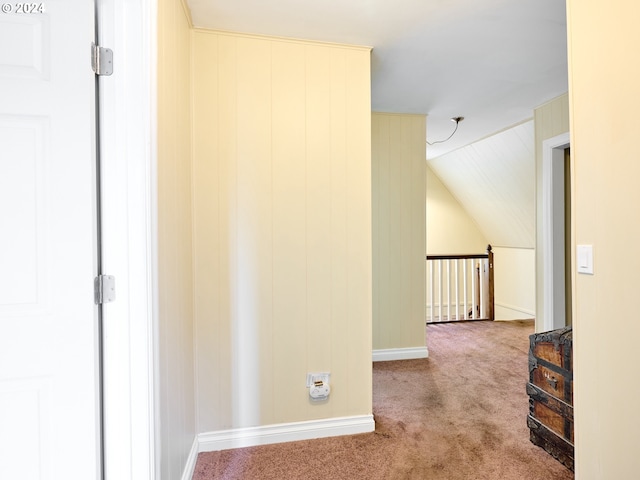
(410, 353)
(505, 311)
(189, 468)
(284, 432)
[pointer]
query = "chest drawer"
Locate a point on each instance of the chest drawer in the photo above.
(551, 362)
(551, 412)
(555, 382)
(554, 347)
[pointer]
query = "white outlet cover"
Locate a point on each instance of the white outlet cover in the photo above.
(320, 393)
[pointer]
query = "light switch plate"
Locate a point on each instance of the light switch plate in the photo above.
(584, 259)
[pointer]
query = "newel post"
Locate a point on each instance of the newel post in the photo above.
(491, 306)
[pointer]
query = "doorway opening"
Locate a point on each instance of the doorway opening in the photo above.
(556, 218)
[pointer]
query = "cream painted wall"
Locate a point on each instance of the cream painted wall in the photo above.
(398, 168)
(282, 228)
(450, 229)
(175, 353)
(550, 119)
(603, 41)
(514, 283)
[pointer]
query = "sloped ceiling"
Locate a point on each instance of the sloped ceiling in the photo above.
(494, 181)
(491, 61)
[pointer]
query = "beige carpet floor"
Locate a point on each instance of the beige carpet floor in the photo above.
(460, 414)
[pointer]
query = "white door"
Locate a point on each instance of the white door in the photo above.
(49, 405)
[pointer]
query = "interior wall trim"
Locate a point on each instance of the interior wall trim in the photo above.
(190, 465)
(284, 432)
(516, 308)
(553, 242)
(387, 354)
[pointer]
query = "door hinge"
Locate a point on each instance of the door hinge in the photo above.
(104, 289)
(101, 60)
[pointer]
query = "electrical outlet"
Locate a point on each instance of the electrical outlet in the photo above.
(320, 391)
(315, 377)
(318, 384)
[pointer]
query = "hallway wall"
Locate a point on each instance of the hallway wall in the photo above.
(450, 229)
(604, 101)
(282, 228)
(398, 193)
(175, 394)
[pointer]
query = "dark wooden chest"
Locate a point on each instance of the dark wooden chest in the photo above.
(550, 391)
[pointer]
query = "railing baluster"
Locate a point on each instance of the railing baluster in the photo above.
(477, 270)
(465, 280)
(482, 302)
(433, 298)
(448, 289)
(473, 289)
(430, 291)
(457, 296)
(439, 290)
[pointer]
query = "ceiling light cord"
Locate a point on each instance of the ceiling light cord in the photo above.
(454, 119)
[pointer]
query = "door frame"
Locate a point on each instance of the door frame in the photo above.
(553, 230)
(129, 240)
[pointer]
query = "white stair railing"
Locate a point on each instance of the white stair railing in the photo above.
(452, 296)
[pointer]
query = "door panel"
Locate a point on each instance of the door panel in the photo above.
(48, 380)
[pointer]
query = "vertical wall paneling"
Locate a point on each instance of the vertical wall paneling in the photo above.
(176, 400)
(208, 198)
(358, 171)
(375, 245)
(338, 202)
(254, 229)
(395, 316)
(603, 103)
(228, 287)
(380, 192)
(318, 215)
(282, 179)
(416, 243)
(289, 249)
(399, 219)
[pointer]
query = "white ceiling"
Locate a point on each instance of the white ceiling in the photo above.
(491, 61)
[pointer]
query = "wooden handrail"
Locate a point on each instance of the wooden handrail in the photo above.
(462, 256)
(456, 257)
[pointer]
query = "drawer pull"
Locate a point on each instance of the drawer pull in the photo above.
(552, 381)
